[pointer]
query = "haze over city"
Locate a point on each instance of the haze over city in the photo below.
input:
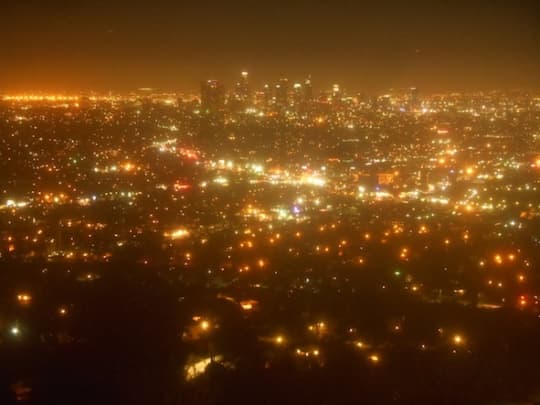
(366, 46)
(269, 202)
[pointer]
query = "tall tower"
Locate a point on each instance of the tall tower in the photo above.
(244, 86)
(308, 89)
(336, 94)
(242, 92)
(212, 96)
(298, 97)
(414, 100)
(282, 93)
(266, 96)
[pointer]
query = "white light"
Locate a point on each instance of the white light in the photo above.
(180, 233)
(221, 180)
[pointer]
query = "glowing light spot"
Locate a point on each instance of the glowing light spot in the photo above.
(180, 233)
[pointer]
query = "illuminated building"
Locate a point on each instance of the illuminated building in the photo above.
(242, 90)
(282, 93)
(212, 96)
(297, 94)
(336, 94)
(385, 178)
(414, 101)
(308, 89)
(265, 96)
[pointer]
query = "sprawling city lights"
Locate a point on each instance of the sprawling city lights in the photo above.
(312, 219)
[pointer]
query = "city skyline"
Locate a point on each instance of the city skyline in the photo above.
(438, 47)
(305, 202)
(230, 89)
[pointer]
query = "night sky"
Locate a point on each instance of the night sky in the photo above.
(173, 45)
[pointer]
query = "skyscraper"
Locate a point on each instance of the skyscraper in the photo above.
(266, 96)
(414, 101)
(298, 96)
(282, 93)
(308, 89)
(336, 94)
(212, 96)
(242, 88)
(242, 93)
